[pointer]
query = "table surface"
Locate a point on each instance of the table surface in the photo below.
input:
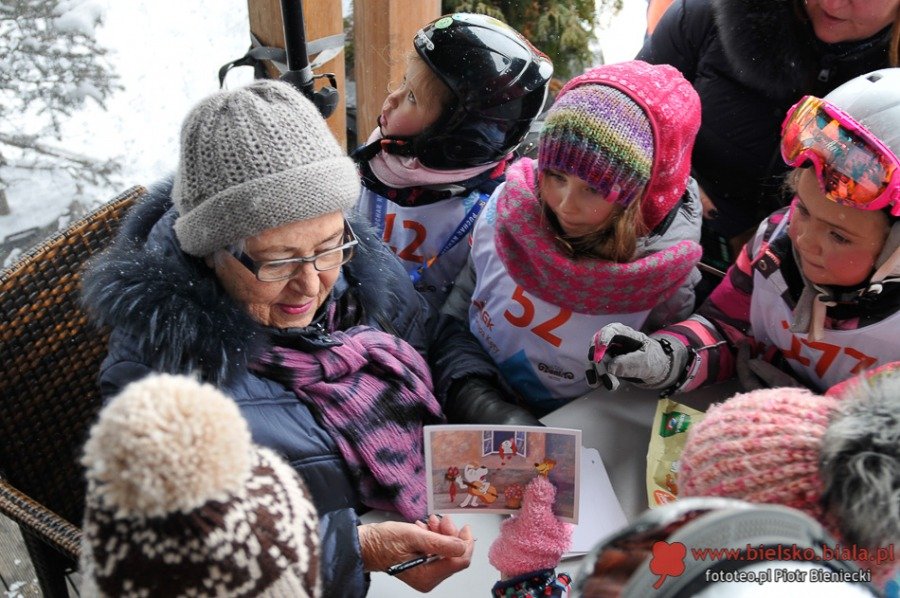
(617, 424)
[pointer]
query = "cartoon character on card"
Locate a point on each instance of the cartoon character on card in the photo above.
(507, 450)
(543, 468)
(452, 476)
(474, 482)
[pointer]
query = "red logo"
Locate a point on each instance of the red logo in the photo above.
(662, 497)
(668, 559)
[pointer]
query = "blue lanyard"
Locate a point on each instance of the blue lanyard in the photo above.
(461, 231)
(379, 212)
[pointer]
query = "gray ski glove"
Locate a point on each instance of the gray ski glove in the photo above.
(653, 362)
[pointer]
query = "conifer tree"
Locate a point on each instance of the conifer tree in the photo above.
(50, 64)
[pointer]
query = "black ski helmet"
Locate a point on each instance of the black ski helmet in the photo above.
(499, 84)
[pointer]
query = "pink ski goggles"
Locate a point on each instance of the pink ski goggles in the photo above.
(853, 166)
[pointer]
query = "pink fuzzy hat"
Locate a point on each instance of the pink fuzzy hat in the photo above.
(762, 447)
(534, 539)
(835, 457)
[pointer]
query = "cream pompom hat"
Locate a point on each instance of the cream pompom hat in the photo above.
(180, 502)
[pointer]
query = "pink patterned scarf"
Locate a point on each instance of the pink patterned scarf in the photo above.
(527, 245)
(372, 394)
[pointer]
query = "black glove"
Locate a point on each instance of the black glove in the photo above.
(477, 401)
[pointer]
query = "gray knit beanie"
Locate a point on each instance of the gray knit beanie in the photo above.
(256, 158)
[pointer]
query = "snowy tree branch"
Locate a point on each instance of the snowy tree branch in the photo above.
(50, 64)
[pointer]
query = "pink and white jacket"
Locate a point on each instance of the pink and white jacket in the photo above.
(757, 302)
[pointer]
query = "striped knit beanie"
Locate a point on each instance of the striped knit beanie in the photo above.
(600, 135)
(670, 107)
(181, 503)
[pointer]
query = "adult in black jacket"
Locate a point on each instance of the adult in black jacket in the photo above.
(749, 61)
(240, 273)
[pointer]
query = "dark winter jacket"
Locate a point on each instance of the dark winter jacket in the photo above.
(749, 61)
(169, 314)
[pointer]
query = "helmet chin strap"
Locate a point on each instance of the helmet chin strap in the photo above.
(400, 147)
(886, 273)
(889, 269)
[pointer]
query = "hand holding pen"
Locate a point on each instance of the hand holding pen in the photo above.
(431, 522)
(407, 565)
(421, 555)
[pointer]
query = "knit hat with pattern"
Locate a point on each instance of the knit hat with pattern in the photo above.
(181, 503)
(600, 135)
(628, 129)
(256, 158)
(761, 446)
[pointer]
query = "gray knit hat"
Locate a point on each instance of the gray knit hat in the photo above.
(256, 158)
(180, 502)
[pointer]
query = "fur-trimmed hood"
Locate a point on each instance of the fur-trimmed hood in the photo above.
(181, 319)
(772, 46)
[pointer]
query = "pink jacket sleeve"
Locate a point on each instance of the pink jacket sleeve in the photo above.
(714, 331)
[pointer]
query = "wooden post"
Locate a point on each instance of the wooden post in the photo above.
(322, 18)
(383, 36)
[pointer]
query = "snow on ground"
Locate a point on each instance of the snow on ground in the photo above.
(168, 53)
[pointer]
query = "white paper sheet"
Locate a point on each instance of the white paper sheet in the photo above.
(600, 513)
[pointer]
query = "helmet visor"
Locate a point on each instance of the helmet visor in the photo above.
(853, 166)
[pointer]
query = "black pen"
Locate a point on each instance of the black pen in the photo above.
(405, 566)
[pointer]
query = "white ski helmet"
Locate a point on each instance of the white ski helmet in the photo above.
(873, 100)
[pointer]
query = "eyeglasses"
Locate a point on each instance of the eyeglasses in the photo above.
(275, 270)
(853, 166)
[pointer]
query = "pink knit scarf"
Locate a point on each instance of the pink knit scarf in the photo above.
(528, 247)
(373, 395)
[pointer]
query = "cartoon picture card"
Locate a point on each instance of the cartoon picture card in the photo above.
(475, 468)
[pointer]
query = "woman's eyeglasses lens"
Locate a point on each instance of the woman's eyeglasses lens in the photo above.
(327, 260)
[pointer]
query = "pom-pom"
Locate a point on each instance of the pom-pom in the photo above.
(861, 460)
(166, 444)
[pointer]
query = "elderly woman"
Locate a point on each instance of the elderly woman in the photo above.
(245, 273)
